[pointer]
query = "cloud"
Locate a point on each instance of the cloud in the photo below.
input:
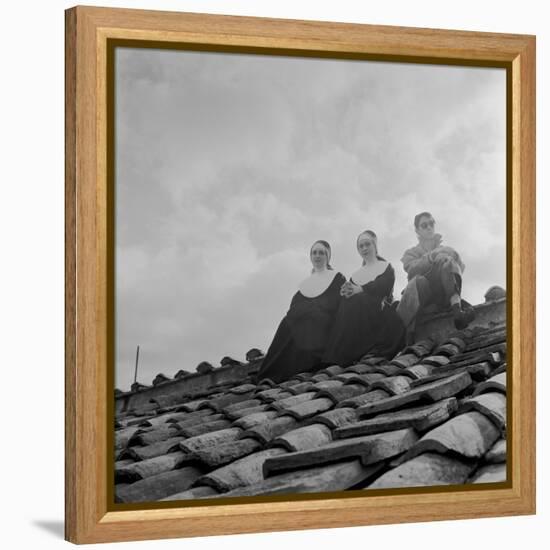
(228, 167)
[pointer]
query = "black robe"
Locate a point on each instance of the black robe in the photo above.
(366, 323)
(300, 340)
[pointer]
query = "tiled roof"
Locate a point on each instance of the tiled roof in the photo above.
(433, 415)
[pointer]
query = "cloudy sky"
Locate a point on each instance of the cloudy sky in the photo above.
(228, 168)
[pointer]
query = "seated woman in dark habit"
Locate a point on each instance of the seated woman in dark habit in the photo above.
(300, 340)
(365, 321)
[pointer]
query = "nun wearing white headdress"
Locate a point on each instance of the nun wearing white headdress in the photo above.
(300, 340)
(365, 322)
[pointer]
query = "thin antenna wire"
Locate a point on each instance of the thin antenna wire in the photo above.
(137, 361)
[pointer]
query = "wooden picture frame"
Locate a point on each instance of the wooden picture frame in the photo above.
(89, 516)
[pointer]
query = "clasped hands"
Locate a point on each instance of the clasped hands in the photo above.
(349, 289)
(442, 254)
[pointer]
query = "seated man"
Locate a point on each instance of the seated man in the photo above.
(435, 276)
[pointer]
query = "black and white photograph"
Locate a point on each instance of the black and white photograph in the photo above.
(310, 275)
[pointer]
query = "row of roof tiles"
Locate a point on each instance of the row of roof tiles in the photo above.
(434, 415)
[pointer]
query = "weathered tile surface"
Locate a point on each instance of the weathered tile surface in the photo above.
(432, 392)
(159, 486)
(419, 418)
(497, 453)
(492, 473)
(470, 434)
(224, 453)
(254, 419)
(309, 408)
(210, 439)
(434, 414)
(427, 469)
(343, 392)
(240, 473)
(370, 449)
(326, 478)
(149, 467)
(335, 418)
(306, 437)
(491, 404)
(270, 429)
(495, 383)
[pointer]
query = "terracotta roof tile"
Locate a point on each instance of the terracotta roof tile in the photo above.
(343, 392)
(309, 408)
(497, 453)
(159, 486)
(186, 416)
(122, 437)
(470, 435)
(334, 429)
(404, 361)
(457, 341)
(306, 437)
(251, 420)
(272, 395)
(320, 377)
(358, 368)
(394, 385)
(243, 388)
(478, 372)
(493, 357)
(333, 370)
(148, 436)
(303, 376)
(492, 473)
(150, 467)
(436, 360)
(335, 418)
(244, 471)
(225, 400)
(366, 380)
(123, 462)
(210, 439)
(419, 418)
(192, 406)
(241, 413)
(492, 405)
(500, 369)
(139, 420)
(420, 370)
(447, 349)
(249, 403)
(369, 449)
(303, 387)
(431, 392)
(495, 383)
(220, 454)
(390, 370)
(193, 420)
(420, 348)
(205, 427)
(366, 398)
(332, 477)
(326, 384)
(287, 402)
(156, 449)
(424, 470)
(155, 420)
(270, 429)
